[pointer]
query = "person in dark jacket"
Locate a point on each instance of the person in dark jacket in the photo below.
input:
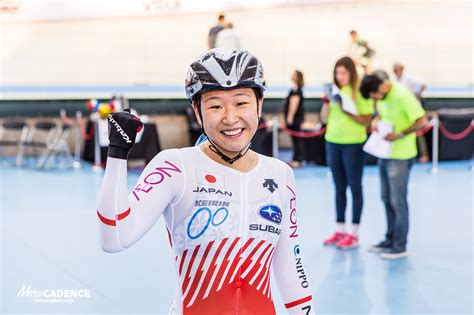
(294, 115)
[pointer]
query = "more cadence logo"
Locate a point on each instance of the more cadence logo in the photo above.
(52, 295)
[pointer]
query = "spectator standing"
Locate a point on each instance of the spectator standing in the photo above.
(417, 88)
(228, 38)
(345, 135)
(293, 112)
(397, 106)
(211, 39)
(412, 84)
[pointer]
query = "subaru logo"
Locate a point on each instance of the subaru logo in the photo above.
(271, 213)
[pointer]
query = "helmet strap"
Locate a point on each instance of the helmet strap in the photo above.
(224, 157)
(215, 148)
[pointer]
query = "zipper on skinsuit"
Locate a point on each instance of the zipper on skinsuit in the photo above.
(238, 282)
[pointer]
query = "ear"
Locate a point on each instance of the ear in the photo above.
(196, 113)
(259, 107)
(385, 87)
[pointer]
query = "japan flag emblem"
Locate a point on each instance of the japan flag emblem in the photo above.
(208, 178)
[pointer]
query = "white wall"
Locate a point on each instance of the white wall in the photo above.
(433, 38)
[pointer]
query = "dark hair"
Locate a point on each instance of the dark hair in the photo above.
(370, 84)
(299, 79)
(350, 66)
(353, 32)
(221, 17)
(258, 93)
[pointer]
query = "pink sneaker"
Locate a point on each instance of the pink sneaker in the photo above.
(349, 241)
(334, 239)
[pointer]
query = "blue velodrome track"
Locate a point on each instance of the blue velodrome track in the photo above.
(49, 240)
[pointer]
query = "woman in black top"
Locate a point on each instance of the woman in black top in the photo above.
(294, 115)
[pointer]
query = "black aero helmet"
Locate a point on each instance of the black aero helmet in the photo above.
(223, 68)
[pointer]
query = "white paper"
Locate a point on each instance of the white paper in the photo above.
(376, 145)
(348, 105)
(384, 128)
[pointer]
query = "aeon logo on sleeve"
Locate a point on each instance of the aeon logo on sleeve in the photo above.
(154, 178)
(271, 213)
(293, 218)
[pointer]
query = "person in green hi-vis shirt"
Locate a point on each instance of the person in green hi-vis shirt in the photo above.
(345, 135)
(397, 106)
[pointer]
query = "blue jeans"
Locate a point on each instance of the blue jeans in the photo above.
(394, 176)
(347, 162)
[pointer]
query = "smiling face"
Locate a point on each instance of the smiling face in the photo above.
(230, 118)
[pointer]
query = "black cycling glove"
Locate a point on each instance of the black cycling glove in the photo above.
(123, 129)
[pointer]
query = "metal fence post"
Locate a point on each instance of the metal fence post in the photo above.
(77, 141)
(96, 167)
(275, 137)
(435, 152)
(472, 155)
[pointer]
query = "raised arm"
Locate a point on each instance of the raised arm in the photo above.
(124, 218)
(288, 266)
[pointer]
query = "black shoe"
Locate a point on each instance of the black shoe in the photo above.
(380, 247)
(394, 254)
